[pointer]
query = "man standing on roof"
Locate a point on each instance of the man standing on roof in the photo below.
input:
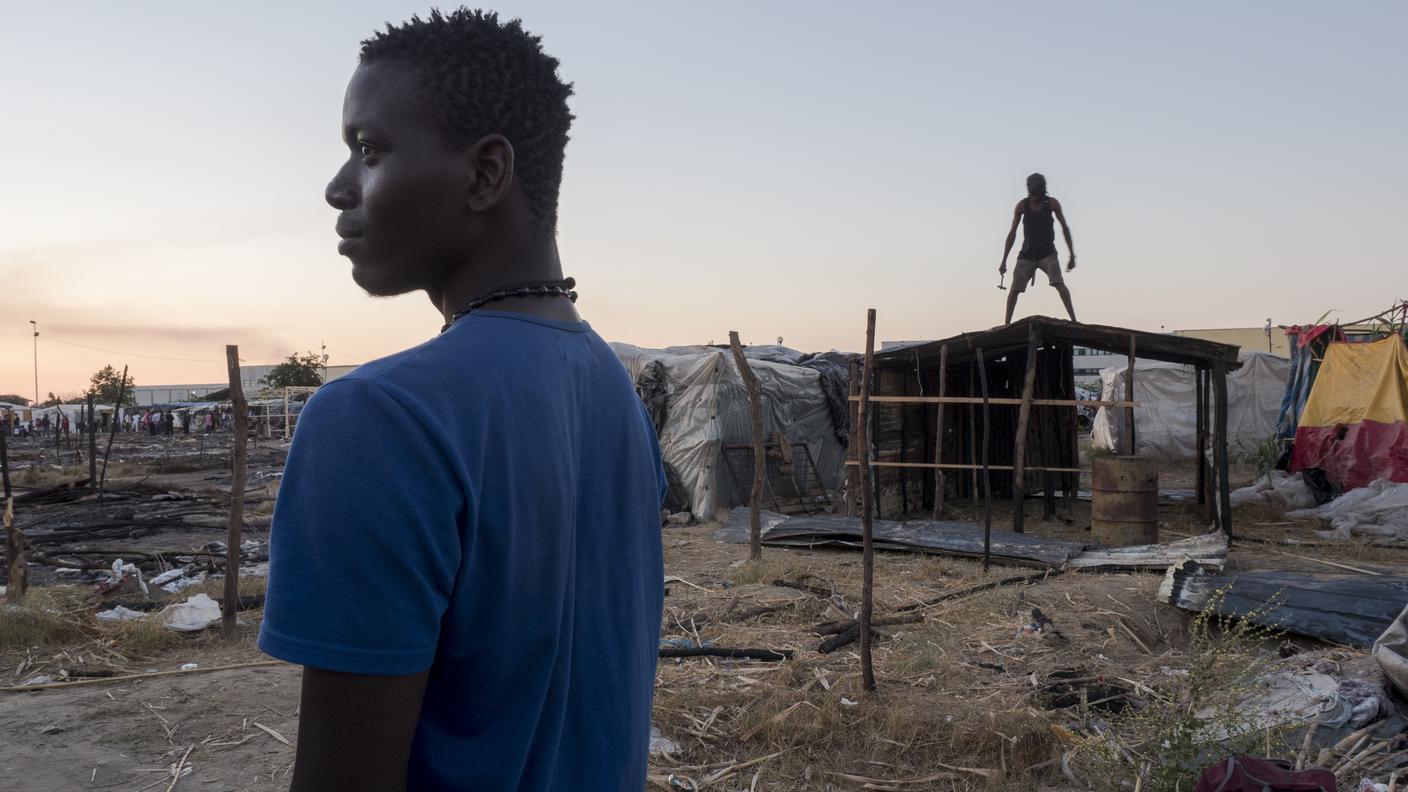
(1038, 245)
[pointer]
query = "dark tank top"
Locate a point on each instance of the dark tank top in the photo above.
(1038, 231)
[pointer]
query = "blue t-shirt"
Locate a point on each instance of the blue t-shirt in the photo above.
(485, 505)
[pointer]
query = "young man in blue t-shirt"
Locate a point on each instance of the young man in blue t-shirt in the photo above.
(466, 550)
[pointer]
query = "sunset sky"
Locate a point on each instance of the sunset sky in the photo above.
(769, 167)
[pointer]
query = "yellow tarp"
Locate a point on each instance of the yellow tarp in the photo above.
(1360, 382)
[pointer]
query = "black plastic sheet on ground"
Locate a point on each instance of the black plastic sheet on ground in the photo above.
(925, 536)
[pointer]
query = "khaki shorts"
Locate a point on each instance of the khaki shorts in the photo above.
(1026, 268)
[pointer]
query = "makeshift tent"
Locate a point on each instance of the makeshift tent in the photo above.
(1355, 423)
(1165, 420)
(699, 405)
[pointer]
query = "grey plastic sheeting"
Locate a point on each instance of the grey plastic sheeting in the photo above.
(1347, 609)
(941, 537)
(706, 406)
(1165, 422)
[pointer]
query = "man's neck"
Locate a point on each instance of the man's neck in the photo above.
(499, 265)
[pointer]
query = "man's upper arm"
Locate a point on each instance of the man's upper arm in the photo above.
(365, 544)
(355, 731)
(1060, 215)
(1016, 218)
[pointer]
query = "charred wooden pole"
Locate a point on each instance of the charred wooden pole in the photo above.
(939, 435)
(973, 434)
(1219, 447)
(1201, 445)
(116, 411)
(760, 454)
(852, 408)
(15, 547)
(867, 600)
(1129, 396)
(237, 482)
(5, 421)
(987, 478)
(92, 437)
(1024, 413)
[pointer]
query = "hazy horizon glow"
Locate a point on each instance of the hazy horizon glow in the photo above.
(772, 168)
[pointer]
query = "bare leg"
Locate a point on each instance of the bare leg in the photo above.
(1065, 298)
(1011, 304)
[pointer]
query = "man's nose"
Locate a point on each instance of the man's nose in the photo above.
(341, 193)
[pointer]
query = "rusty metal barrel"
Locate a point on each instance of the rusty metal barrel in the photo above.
(1124, 504)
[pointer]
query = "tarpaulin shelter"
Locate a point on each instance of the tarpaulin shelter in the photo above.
(1165, 421)
(1355, 422)
(699, 405)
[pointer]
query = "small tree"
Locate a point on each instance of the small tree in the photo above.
(304, 370)
(105, 384)
(12, 398)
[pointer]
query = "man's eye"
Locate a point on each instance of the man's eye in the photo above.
(365, 149)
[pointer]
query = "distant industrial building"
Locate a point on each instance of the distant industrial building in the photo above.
(250, 377)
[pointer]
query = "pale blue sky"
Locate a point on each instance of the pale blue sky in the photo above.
(774, 168)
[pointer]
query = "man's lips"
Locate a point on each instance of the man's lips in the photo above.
(351, 236)
(347, 244)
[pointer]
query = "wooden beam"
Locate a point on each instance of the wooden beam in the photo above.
(1019, 451)
(237, 483)
(1219, 448)
(92, 426)
(5, 429)
(973, 429)
(939, 435)
(987, 478)
(112, 431)
(1200, 422)
(998, 401)
(16, 550)
(853, 405)
(760, 453)
(867, 602)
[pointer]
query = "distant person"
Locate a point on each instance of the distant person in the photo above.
(1035, 213)
(505, 493)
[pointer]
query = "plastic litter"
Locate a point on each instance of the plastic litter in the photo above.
(193, 615)
(190, 666)
(123, 574)
(1277, 489)
(660, 745)
(1380, 509)
(120, 614)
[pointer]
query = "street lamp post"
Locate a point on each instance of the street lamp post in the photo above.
(36, 363)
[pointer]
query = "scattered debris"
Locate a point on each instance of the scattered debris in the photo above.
(1379, 509)
(193, 615)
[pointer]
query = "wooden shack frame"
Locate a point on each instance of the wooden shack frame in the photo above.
(929, 403)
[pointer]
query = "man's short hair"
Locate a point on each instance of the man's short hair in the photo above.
(487, 77)
(1036, 184)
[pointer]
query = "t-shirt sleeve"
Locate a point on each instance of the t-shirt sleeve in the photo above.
(365, 544)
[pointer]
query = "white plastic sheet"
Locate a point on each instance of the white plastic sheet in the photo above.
(1165, 422)
(1277, 489)
(193, 615)
(707, 406)
(1380, 509)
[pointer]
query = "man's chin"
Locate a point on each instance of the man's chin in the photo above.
(375, 282)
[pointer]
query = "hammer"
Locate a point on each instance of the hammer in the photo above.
(1000, 279)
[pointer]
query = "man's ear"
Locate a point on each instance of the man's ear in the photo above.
(491, 161)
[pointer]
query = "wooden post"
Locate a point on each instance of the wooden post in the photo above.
(987, 478)
(1200, 445)
(1209, 467)
(853, 471)
(116, 411)
(760, 454)
(867, 668)
(973, 433)
(232, 541)
(1024, 412)
(939, 435)
(288, 428)
(1129, 396)
(6, 421)
(92, 437)
(15, 547)
(1219, 448)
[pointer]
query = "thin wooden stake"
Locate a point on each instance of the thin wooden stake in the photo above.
(5, 423)
(116, 411)
(1129, 396)
(92, 437)
(987, 477)
(760, 454)
(237, 483)
(867, 668)
(852, 407)
(973, 433)
(15, 550)
(1024, 412)
(1219, 448)
(939, 435)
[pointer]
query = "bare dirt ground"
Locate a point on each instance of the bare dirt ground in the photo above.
(968, 698)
